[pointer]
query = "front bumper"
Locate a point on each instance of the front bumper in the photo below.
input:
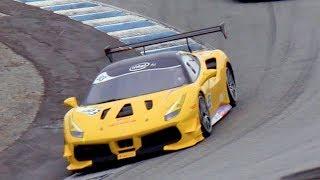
(168, 138)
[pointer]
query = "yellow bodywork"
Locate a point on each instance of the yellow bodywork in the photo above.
(211, 83)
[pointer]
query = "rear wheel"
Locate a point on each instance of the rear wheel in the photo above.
(205, 120)
(231, 86)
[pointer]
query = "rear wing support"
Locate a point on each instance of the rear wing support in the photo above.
(215, 29)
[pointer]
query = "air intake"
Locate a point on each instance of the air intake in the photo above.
(104, 113)
(126, 110)
(148, 104)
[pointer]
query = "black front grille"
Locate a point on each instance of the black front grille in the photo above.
(99, 152)
(161, 138)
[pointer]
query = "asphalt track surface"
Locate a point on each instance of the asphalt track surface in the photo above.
(274, 130)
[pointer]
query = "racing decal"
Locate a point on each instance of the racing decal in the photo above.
(140, 66)
(88, 111)
(222, 111)
(101, 78)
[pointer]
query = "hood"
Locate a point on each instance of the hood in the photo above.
(127, 117)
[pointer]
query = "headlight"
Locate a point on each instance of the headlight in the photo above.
(171, 115)
(175, 109)
(75, 131)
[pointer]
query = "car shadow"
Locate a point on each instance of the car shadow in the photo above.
(110, 165)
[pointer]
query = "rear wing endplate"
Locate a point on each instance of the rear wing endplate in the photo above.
(215, 29)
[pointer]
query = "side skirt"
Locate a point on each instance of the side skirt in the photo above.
(221, 112)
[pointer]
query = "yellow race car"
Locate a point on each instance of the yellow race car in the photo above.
(165, 101)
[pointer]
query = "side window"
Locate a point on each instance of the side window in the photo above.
(192, 66)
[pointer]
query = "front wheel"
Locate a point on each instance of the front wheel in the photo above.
(205, 120)
(231, 87)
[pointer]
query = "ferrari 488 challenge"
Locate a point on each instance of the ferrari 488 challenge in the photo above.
(164, 101)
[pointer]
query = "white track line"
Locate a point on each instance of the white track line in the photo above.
(71, 3)
(113, 20)
(81, 11)
(92, 13)
(139, 31)
(53, 2)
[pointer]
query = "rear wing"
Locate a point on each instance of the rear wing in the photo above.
(215, 29)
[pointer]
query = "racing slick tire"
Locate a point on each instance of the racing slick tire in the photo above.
(231, 86)
(204, 116)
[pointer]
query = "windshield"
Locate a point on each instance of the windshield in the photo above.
(108, 88)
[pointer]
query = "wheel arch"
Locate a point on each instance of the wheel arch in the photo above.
(201, 93)
(228, 65)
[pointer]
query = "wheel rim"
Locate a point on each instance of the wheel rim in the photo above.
(204, 114)
(231, 85)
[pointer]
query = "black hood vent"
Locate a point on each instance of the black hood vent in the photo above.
(126, 110)
(148, 104)
(104, 113)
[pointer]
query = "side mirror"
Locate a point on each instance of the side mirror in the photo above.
(209, 73)
(71, 102)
